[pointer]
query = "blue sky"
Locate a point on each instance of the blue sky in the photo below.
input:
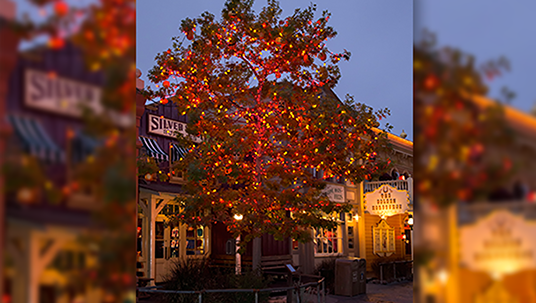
(488, 30)
(378, 33)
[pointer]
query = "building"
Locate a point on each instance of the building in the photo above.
(355, 237)
(43, 252)
(484, 250)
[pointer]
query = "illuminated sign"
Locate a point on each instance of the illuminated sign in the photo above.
(386, 201)
(501, 243)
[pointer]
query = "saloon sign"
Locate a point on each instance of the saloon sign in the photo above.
(60, 95)
(501, 243)
(386, 201)
(165, 127)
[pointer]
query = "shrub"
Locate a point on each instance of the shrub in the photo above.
(198, 275)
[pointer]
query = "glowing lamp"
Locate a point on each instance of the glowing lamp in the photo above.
(238, 217)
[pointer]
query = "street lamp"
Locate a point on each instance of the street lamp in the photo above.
(410, 223)
(238, 260)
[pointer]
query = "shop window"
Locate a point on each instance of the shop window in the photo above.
(383, 239)
(329, 242)
(159, 240)
(174, 242)
(351, 237)
(196, 240)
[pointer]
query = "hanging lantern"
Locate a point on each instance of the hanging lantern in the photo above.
(164, 101)
(166, 83)
(149, 177)
(322, 56)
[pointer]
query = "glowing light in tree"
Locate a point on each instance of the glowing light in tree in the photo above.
(256, 88)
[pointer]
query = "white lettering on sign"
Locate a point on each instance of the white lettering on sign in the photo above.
(499, 244)
(60, 95)
(165, 127)
(386, 201)
(335, 193)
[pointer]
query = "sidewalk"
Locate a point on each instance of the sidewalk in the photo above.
(401, 292)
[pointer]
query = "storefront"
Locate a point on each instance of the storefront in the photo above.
(47, 91)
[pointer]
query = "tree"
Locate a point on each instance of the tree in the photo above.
(256, 90)
(456, 139)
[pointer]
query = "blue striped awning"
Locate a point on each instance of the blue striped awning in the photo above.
(35, 139)
(85, 145)
(177, 152)
(153, 150)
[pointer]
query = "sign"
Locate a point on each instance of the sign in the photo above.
(165, 127)
(335, 193)
(290, 268)
(386, 201)
(59, 95)
(501, 243)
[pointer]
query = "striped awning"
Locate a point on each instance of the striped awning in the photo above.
(177, 152)
(85, 145)
(35, 139)
(153, 150)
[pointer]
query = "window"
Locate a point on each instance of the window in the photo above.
(384, 239)
(196, 240)
(159, 240)
(328, 241)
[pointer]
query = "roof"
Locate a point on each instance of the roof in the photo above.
(520, 121)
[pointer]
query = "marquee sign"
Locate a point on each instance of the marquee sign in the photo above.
(386, 201)
(335, 193)
(501, 243)
(60, 95)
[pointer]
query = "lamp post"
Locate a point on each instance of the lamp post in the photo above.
(410, 223)
(238, 266)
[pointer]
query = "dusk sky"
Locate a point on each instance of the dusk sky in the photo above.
(379, 34)
(488, 30)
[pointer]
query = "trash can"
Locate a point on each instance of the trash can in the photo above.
(350, 277)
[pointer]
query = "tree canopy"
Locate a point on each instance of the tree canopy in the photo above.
(257, 92)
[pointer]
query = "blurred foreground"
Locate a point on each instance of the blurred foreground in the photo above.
(476, 184)
(67, 152)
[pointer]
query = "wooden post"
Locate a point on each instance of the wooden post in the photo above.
(257, 254)
(140, 109)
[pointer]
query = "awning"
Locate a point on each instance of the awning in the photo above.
(153, 150)
(177, 152)
(35, 139)
(84, 145)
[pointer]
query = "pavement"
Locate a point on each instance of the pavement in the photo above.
(398, 292)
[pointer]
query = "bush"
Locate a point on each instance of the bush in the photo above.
(198, 275)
